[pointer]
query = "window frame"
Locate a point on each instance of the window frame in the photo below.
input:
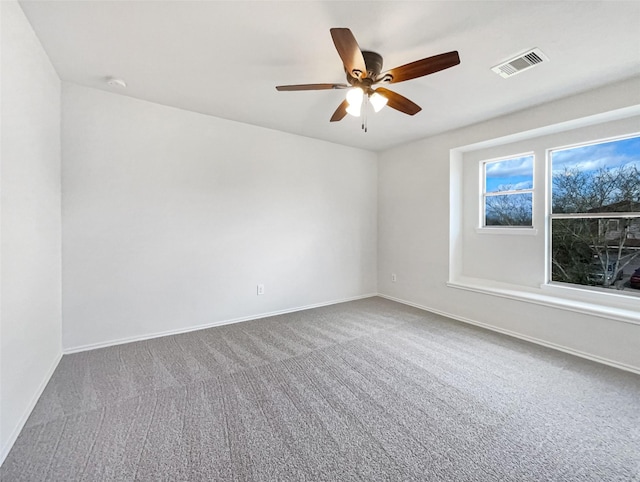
(505, 229)
(550, 216)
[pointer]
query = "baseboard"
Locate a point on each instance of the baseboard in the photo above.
(25, 416)
(122, 341)
(537, 341)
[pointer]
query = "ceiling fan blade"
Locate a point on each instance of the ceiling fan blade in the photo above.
(283, 88)
(398, 102)
(340, 112)
(423, 67)
(349, 52)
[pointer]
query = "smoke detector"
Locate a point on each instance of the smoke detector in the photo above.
(520, 63)
(115, 82)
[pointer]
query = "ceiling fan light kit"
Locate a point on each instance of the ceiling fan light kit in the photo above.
(377, 101)
(355, 98)
(364, 71)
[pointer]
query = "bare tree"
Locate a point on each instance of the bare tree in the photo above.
(508, 210)
(584, 245)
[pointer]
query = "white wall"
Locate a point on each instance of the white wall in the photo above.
(30, 328)
(171, 219)
(414, 236)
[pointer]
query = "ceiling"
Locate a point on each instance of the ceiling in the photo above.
(225, 58)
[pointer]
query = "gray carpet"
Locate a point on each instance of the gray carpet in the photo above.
(364, 391)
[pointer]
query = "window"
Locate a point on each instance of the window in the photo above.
(508, 192)
(595, 214)
(555, 261)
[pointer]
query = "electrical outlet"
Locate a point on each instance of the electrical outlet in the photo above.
(260, 289)
(394, 278)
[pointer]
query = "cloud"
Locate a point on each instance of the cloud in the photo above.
(523, 185)
(520, 166)
(528, 184)
(608, 155)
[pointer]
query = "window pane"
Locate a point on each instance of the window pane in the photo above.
(508, 210)
(598, 178)
(596, 252)
(509, 175)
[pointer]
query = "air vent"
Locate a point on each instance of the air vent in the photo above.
(520, 63)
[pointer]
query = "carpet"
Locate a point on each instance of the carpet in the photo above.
(369, 390)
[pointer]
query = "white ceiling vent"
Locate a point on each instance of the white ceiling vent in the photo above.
(521, 62)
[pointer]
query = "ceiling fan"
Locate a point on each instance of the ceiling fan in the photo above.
(363, 69)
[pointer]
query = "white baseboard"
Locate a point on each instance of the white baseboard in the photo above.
(29, 408)
(122, 341)
(537, 341)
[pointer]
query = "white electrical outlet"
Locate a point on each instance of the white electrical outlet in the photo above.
(260, 289)
(394, 278)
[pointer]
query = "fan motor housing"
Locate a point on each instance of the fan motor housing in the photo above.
(373, 62)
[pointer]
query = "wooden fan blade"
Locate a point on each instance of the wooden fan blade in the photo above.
(283, 88)
(349, 52)
(340, 112)
(423, 67)
(398, 102)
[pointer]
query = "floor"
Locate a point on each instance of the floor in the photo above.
(364, 391)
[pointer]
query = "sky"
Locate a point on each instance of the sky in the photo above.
(517, 173)
(613, 154)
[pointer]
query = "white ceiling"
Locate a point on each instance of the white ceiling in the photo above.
(225, 58)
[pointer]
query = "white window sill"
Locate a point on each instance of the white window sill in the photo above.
(610, 306)
(520, 231)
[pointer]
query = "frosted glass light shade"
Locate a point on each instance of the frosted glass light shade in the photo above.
(354, 96)
(354, 110)
(377, 101)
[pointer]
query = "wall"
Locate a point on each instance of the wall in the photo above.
(414, 236)
(171, 219)
(30, 327)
